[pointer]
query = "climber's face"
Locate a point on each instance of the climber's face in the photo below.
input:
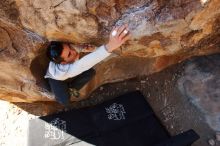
(69, 55)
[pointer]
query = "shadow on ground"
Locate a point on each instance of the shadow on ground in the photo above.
(177, 109)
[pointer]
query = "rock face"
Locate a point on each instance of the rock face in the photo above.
(164, 32)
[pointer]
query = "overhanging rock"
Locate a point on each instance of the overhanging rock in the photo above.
(164, 33)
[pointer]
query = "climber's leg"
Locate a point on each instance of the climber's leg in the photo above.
(79, 81)
(60, 90)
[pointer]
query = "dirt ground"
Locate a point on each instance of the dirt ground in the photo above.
(175, 111)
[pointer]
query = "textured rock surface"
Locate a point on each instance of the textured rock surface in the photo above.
(164, 33)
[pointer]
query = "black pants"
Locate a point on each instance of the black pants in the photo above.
(61, 88)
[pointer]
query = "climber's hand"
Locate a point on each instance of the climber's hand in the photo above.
(117, 37)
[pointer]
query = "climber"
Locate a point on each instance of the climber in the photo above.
(68, 71)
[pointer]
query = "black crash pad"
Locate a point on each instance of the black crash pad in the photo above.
(127, 120)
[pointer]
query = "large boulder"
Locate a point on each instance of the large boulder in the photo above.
(164, 32)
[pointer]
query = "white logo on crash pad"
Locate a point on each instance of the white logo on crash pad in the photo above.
(55, 129)
(116, 112)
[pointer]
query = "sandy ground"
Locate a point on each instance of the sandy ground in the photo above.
(175, 111)
(14, 125)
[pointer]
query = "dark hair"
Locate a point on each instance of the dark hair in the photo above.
(54, 51)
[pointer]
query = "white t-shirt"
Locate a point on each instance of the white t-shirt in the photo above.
(63, 72)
